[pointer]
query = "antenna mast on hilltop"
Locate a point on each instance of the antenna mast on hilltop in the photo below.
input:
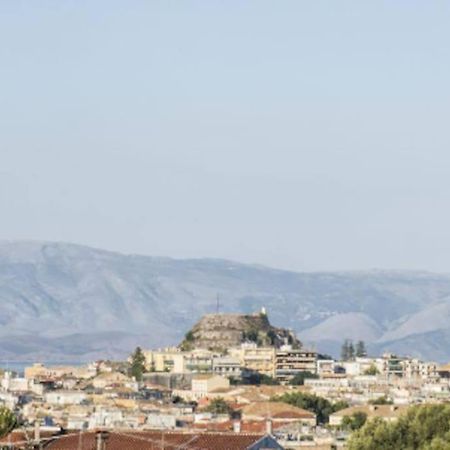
(217, 303)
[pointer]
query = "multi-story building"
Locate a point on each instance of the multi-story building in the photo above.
(255, 359)
(227, 367)
(175, 361)
(290, 362)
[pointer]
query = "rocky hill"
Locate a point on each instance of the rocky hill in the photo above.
(66, 301)
(222, 331)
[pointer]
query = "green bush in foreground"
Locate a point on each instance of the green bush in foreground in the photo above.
(421, 428)
(8, 421)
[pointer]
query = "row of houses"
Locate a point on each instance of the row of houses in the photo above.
(281, 364)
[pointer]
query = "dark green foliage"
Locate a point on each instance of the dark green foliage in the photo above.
(361, 351)
(372, 370)
(355, 421)
(177, 399)
(345, 350)
(219, 406)
(266, 379)
(258, 378)
(348, 351)
(255, 379)
(272, 337)
(351, 351)
(318, 405)
(8, 421)
(137, 367)
(381, 401)
(189, 337)
(251, 335)
(299, 379)
(324, 356)
(421, 428)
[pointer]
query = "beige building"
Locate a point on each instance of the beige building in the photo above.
(389, 413)
(289, 362)
(175, 361)
(203, 385)
(258, 359)
(106, 379)
(40, 371)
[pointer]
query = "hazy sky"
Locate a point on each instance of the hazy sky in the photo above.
(300, 134)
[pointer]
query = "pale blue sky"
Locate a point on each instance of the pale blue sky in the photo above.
(300, 134)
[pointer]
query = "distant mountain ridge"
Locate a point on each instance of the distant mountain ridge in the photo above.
(65, 301)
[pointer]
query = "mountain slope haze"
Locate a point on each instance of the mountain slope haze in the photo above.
(65, 301)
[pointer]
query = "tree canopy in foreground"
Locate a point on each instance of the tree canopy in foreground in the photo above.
(421, 428)
(7, 421)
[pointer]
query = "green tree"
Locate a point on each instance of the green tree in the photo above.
(189, 336)
(219, 406)
(351, 351)
(372, 370)
(8, 421)
(361, 351)
(437, 444)
(424, 427)
(318, 405)
(355, 421)
(251, 335)
(345, 350)
(381, 401)
(137, 367)
(299, 378)
(271, 335)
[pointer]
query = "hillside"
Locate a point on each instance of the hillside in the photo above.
(61, 300)
(222, 331)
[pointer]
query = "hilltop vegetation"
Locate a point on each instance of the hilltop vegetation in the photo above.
(222, 331)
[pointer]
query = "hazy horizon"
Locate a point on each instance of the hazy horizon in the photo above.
(309, 136)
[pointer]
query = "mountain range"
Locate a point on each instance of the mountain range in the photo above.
(62, 301)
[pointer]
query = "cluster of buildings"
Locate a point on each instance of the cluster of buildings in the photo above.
(101, 402)
(202, 397)
(237, 363)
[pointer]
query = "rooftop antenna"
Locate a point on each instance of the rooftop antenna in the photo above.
(217, 303)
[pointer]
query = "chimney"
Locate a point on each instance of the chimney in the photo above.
(269, 427)
(237, 426)
(101, 438)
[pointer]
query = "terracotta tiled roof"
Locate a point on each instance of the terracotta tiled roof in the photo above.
(142, 440)
(20, 438)
(275, 410)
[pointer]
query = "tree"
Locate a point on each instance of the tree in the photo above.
(189, 336)
(344, 351)
(347, 350)
(137, 364)
(219, 406)
(355, 421)
(381, 401)
(256, 378)
(250, 335)
(361, 351)
(351, 351)
(372, 370)
(271, 335)
(424, 427)
(8, 421)
(299, 378)
(320, 406)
